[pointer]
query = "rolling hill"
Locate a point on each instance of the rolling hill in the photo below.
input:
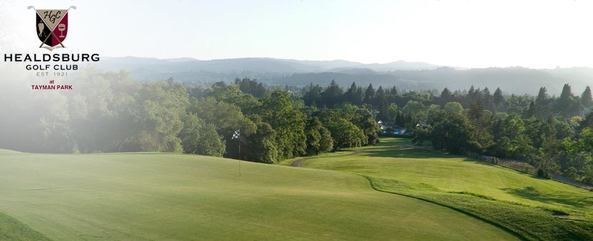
(402, 74)
(152, 196)
(537, 209)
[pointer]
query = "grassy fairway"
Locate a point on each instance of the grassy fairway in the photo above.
(182, 197)
(535, 208)
(11, 229)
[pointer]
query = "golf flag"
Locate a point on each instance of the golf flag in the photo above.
(236, 134)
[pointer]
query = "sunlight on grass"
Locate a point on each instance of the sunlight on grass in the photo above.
(139, 196)
(538, 208)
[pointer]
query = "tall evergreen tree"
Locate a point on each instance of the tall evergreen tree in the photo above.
(380, 101)
(312, 95)
(350, 95)
(475, 111)
(486, 99)
(542, 96)
(541, 107)
(498, 100)
(446, 96)
(531, 111)
(369, 94)
(359, 96)
(393, 91)
(567, 105)
(566, 92)
(471, 90)
(586, 98)
(332, 96)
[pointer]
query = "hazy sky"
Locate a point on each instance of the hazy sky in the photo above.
(458, 33)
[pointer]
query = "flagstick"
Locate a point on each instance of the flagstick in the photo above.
(239, 156)
(237, 136)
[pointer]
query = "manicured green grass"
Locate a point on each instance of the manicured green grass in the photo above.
(535, 208)
(150, 196)
(13, 230)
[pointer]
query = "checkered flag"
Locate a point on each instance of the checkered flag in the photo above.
(236, 135)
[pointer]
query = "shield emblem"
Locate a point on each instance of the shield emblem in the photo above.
(52, 26)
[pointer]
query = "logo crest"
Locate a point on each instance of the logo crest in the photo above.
(52, 27)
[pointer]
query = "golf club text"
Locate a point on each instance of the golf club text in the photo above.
(58, 67)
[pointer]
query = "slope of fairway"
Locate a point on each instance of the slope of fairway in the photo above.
(8, 152)
(536, 208)
(183, 197)
(13, 230)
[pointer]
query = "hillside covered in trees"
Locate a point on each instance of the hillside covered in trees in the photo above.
(416, 76)
(247, 120)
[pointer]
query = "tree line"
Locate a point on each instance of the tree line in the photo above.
(249, 121)
(269, 124)
(553, 134)
(110, 112)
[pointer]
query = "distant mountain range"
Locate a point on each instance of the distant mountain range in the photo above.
(402, 74)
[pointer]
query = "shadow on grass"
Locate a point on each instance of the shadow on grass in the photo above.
(407, 153)
(533, 194)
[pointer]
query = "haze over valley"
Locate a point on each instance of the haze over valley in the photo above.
(402, 74)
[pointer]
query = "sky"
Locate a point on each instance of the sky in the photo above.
(460, 33)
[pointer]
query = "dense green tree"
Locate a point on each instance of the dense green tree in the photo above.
(452, 132)
(576, 156)
(312, 95)
(260, 146)
(251, 87)
(231, 94)
(539, 132)
(587, 122)
(159, 118)
(388, 114)
(413, 107)
(511, 139)
(317, 137)
(282, 114)
(227, 118)
(475, 111)
(453, 107)
(332, 95)
(200, 138)
(346, 134)
(364, 120)
(326, 143)
(518, 104)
